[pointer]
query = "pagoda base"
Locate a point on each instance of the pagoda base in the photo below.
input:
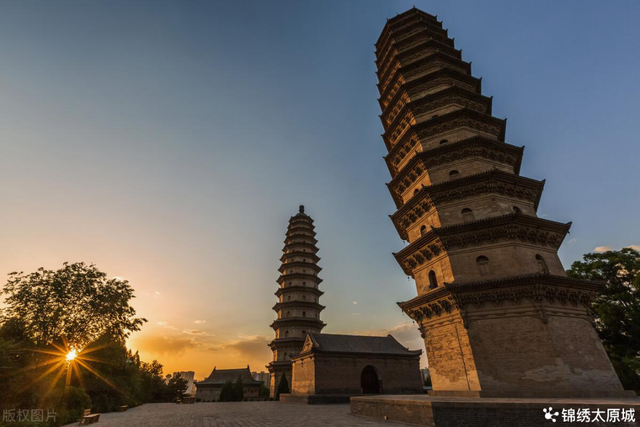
(316, 399)
(486, 412)
(555, 394)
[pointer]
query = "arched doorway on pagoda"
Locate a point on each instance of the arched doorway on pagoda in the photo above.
(369, 381)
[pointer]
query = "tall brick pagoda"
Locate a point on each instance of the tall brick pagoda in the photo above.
(298, 306)
(498, 314)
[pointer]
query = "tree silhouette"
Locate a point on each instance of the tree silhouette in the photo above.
(238, 390)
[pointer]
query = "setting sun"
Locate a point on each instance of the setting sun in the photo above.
(71, 355)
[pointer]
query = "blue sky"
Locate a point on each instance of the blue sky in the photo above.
(169, 142)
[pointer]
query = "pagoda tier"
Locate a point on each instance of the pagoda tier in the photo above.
(439, 130)
(298, 308)
(429, 83)
(475, 240)
(482, 193)
(441, 102)
(419, 171)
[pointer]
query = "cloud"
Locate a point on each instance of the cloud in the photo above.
(572, 240)
(167, 325)
(601, 249)
(355, 303)
(252, 348)
(198, 332)
(165, 344)
(199, 322)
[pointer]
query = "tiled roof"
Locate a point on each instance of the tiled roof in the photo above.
(330, 343)
(221, 376)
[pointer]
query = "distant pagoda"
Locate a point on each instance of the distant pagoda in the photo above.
(298, 307)
(497, 312)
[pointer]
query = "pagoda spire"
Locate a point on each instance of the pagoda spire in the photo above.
(298, 307)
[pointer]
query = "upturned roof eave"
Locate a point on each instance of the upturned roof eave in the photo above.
(449, 50)
(437, 233)
(309, 304)
(405, 15)
(286, 289)
(424, 30)
(435, 74)
(427, 191)
(417, 63)
(450, 147)
(462, 112)
(502, 282)
(433, 97)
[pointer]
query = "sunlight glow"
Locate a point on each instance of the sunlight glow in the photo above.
(71, 355)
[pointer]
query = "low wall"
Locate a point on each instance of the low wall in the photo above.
(481, 412)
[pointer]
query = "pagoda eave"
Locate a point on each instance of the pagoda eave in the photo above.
(399, 46)
(449, 289)
(300, 264)
(404, 72)
(510, 227)
(285, 277)
(311, 246)
(455, 75)
(494, 181)
(416, 107)
(298, 303)
(286, 289)
(476, 145)
(273, 344)
(312, 256)
(315, 323)
(402, 54)
(392, 23)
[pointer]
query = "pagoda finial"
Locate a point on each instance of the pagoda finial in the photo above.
(301, 208)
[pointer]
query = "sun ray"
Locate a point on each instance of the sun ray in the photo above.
(92, 359)
(54, 353)
(36, 366)
(94, 372)
(51, 386)
(76, 369)
(44, 374)
(87, 350)
(67, 381)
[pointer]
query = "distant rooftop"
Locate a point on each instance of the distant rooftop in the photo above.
(221, 376)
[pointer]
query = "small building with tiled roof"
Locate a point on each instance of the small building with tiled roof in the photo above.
(209, 389)
(331, 367)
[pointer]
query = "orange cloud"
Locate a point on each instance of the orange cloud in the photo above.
(165, 345)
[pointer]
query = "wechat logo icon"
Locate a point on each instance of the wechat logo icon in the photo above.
(549, 414)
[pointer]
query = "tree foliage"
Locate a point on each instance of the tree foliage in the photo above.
(616, 308)
(80, 304)
(227, 394)
(176, 388)
(238, 389)
(264, 391)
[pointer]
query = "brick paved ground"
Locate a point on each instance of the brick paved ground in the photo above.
(236, 414)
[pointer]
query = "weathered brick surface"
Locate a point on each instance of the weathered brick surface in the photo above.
(341, 374)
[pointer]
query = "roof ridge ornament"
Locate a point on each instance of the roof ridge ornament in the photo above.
(301, 209)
